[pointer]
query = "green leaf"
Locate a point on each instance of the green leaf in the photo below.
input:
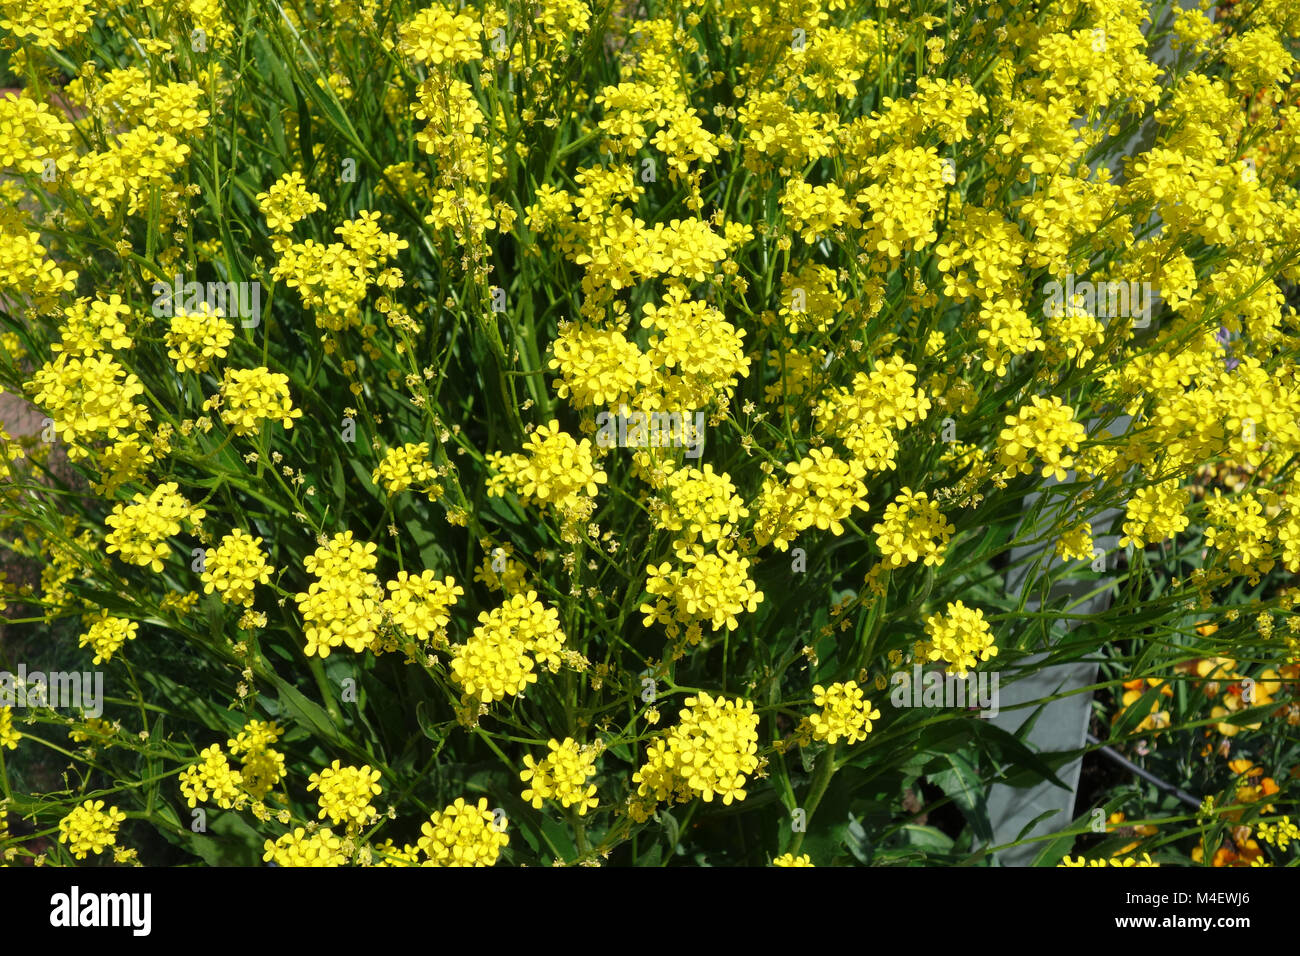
(961, 781)
(309, 713)
(229, 840)
(1053, 850)
(927, 837)
(1134, 713)
(828, 826)
(425, 724)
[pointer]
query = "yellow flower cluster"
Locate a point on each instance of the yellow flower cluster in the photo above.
(136, 164)
(195, 339)
(343, 606)
(868, 416)
(405, 466)
(498, 659)
(1279, 834)
(698, 353)
(904, 196)
(811, 298)
(822, 491)
(709, 753)
(1007, 332)
(249, 395)
(463, 834)
(1155, 513)
(106, 635)
(261, 765)
(598, 366)
(912, 529)
(8, 736)
(346, 794)
(1144, 861)
(552, 470)
(501, 570)
(958, 636)
(1238, 527)
(817, 210)
(140, 530)
(30, 132)
(438, 36)
(419, 604)
(701, 505)
(1076, 543)
(93, 326)
(213, 779)
(332, 279)
(299, 848)
(710, 588)
(844, 713)
(1045, 428)
(90, 828)
(235, 567)
(89, 398)
(288, 201)
(562, 776)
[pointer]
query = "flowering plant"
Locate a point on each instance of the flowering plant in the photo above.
(562, 431)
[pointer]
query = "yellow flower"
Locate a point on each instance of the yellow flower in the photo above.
(1047, 428)
(789, 859)
(212, 779)
(463, 834)
(418, 604)
(1155, 513)
(553, 469)
(436, 36)
(598, 366)
(709, 589)
(344, 605)
(817, 210)
(90, 828)
(708, 753)
(562, 776)
(498, 659)
(89, 398)
(913, 529)
(287, 201)
(1109, 861)
(107, 634)
(345, 793)
(235, 567)
(141, 529)
(249, 395)
(702, 504)
(845, 713)
(958, 636)
(8, 736)
(405, 466)
(196, 338)
(321, 848)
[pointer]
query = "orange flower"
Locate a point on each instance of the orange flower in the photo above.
(1133, 691)
(1239, 850)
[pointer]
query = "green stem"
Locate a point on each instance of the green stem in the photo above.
(821, 780)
